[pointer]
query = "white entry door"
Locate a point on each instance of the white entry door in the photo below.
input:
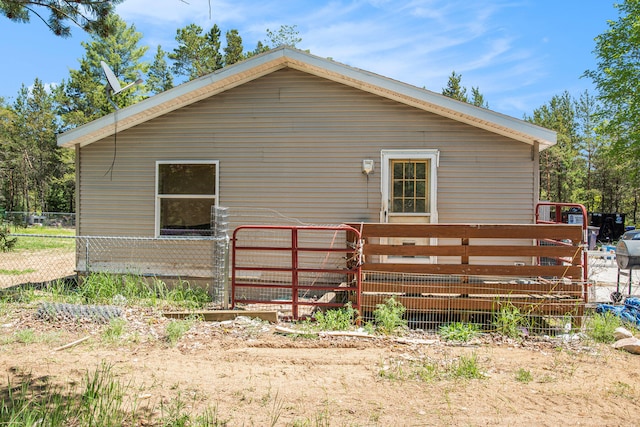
(409, 184)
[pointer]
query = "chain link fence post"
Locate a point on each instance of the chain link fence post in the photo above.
(220, 227)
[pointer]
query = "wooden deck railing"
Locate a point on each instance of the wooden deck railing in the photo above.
(474, 267)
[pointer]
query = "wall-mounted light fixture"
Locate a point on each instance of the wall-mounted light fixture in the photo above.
(367, 166)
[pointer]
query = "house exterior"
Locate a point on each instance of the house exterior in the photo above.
(310, 138)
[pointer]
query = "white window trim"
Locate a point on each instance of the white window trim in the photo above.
(430, 154)
(184, 196)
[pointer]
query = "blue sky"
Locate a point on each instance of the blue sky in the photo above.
(518, 52)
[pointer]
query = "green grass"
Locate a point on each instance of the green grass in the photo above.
(29, 336)
(100, 399)
(105, 288)
(58, 238)
(46, 231)
(16, 272)
(115, 330)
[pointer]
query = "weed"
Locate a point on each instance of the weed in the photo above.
(114, 331)
(388, 317)
(177, 328)
(523, 376)
(26, 336)
(458, 331)
(340, 319)
(466, 367)
(276, 410)
(601, 326)
(510, 321)
(394, 370)
(622, 389)
(426, 370)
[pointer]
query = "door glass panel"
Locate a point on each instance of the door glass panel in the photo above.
(410, 186)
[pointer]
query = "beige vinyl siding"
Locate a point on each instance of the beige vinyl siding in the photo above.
(294, 143)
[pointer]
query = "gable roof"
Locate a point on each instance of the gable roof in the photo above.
(283, 57)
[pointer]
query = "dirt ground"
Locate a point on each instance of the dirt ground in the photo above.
(254, 376)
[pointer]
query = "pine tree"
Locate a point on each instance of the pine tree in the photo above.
(159, 78)
(85, 97)
(91, 16)
(196, 54)
(455, 89)
(233, 51)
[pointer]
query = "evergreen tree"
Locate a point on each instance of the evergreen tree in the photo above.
(91, 16)
(233, 51)
(477, 98)
(454, 88)
(196, 54)
(85, 97)
(32, 150)
(159, 78)
(561, 165)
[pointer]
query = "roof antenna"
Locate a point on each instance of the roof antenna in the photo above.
(114, 88)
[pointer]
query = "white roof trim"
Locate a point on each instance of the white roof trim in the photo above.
(258, 66)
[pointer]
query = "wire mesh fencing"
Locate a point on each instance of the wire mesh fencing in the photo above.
(41, 259)
(429, 301)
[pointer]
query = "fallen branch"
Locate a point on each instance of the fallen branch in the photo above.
(71, 344)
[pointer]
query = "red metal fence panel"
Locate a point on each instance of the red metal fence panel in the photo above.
(296, 268)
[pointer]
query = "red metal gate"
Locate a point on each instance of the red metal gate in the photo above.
(560, 215)
(296, 266)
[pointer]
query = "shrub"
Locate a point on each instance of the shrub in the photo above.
(6, 243)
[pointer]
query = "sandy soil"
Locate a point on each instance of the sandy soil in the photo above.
(256, 376)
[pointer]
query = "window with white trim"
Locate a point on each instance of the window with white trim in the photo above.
(185, 193)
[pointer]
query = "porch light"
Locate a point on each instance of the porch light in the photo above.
(367, 166)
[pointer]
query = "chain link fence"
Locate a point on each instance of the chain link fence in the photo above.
(200, 260)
